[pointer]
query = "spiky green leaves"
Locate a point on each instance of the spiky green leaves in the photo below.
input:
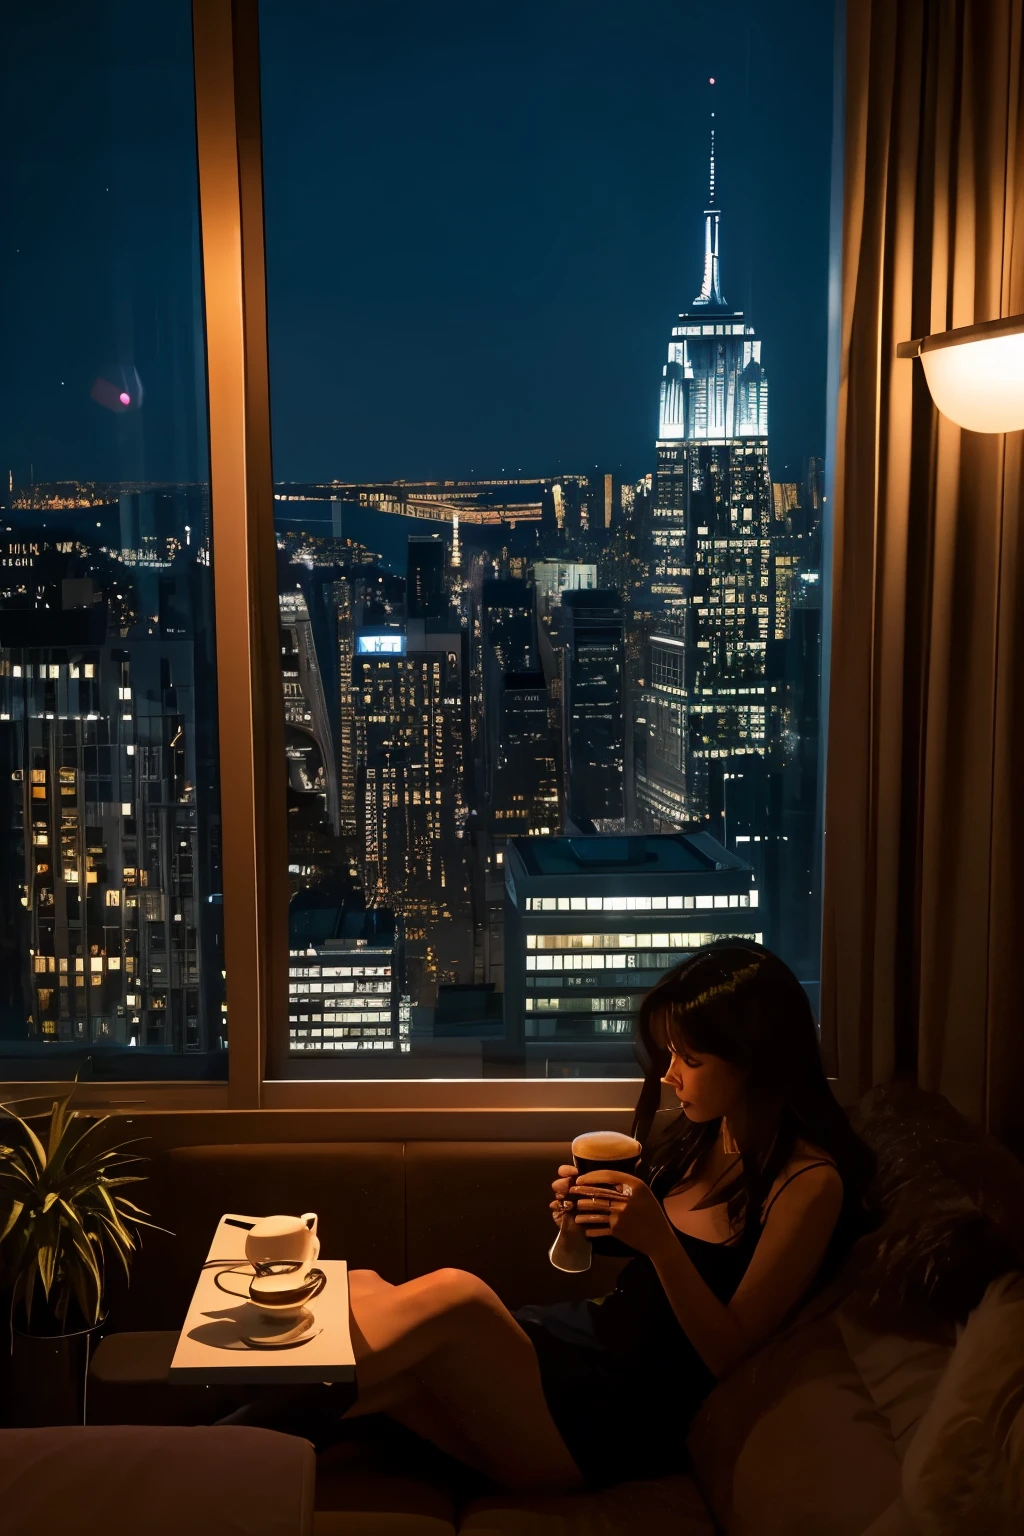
(62, 1217)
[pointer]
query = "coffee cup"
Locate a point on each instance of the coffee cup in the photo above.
(606, 1150)
(283, 1239)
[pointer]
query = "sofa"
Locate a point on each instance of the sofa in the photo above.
(813, 1435)
(129, 1479)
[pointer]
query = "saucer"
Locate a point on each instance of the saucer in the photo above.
(280, 1291)
(262, 1332)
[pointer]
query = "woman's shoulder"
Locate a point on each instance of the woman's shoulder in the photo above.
(805, 1153)
(806, 1161)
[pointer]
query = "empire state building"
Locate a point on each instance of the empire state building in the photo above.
(706, 700)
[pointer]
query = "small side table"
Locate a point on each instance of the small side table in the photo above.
(210, 1347)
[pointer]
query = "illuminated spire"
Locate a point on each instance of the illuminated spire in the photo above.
(710, 295)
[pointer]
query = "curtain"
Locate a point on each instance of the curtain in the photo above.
(924, 805)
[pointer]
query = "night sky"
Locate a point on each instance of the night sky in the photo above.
(481, 222)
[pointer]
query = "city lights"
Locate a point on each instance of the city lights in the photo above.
(537, 750)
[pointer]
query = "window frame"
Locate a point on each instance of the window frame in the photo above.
(250, 700)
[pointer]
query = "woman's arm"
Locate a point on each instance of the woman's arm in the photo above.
(792, 1245)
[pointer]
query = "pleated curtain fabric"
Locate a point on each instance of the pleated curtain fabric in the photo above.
(923, 955)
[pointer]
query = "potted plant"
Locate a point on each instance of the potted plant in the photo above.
(63, 1217)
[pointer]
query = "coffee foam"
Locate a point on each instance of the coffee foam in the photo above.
(613, 1145)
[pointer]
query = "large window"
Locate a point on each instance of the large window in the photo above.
(547, 312)
(110, 881)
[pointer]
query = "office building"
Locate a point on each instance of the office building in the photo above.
(592, 922)
(408, 689)
(347, 787)
(343, 979)
(594, 704)
(508, 621)
(522, 790)
(426, 578)
(553, 577)
(107, 807)
(309, 718)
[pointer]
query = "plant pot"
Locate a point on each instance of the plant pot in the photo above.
(43, 1377)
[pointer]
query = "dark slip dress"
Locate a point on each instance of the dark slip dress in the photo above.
(621, 1379)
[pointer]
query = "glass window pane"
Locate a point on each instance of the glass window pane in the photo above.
(547, 310)
(110, 905)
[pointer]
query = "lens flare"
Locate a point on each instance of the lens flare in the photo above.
(124, 397)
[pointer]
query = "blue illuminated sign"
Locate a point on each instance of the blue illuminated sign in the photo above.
(381, 645)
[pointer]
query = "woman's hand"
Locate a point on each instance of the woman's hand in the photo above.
(620, 1205)
(560, 1209)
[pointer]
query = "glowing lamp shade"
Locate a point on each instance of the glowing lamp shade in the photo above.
(976, 374)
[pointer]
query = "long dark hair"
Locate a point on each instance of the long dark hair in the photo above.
(736, 1000)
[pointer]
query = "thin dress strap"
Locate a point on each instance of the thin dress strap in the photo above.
(823, 1162)
(702, 1203)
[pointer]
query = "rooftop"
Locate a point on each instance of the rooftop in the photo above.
(583, 858)
(334, 926)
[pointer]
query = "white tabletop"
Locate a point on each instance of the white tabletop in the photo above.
(211, 1345)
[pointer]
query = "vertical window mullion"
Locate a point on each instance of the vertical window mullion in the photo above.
(251, 722)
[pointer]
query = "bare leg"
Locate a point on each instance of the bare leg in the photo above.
(450, 1335)
(404, 1399)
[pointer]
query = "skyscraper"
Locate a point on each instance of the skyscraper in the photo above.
(426, 576)
(109, 898)
(408, 690)
(705, 698)
(308, 717)
(509, 624)
(522, 786)
(594, 675)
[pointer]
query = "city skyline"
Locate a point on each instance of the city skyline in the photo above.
(585, 674)
(392, 294)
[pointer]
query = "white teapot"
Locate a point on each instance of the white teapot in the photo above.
(284, 1239)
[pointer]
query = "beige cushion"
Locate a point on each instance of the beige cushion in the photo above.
(670, 1504)
(790, 1444)
(964, 1469)
(900, 1374)
(126, 1479)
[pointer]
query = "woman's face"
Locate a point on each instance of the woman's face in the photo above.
(707, 1087)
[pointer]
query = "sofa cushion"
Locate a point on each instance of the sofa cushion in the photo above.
(671, 1505)
(123, 1480)
(964, 1470)
(128, 1385)
(895, 1520)
(899, 1374)
(381, 1480)
(483, 1206)
(953, 1203)
(379, 1521)
(790, 1443)
(356, 1188)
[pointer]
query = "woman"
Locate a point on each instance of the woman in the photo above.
(753, 1189)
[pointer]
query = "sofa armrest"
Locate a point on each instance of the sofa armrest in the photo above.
(124, 1479)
